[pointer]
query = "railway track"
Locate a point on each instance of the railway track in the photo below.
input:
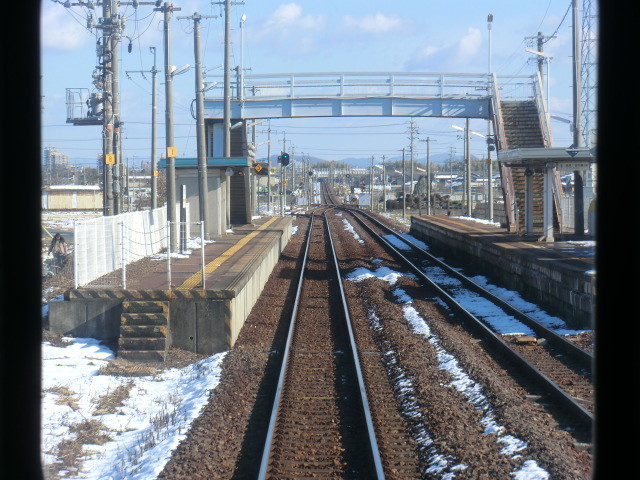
(559, 369)
(320, 424)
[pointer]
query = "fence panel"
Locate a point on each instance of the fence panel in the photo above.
(101, 243)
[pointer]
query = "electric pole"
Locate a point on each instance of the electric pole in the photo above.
(428, 140)
(154, 166)
(171, 152)
(105, 107)
(200, 130)
(578, 214)
(154, 161)
(467, 160)
(412, 131)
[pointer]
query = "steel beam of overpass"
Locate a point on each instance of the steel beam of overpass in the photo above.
(365, 94)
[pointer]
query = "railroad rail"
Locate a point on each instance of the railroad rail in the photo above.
(557, 366)
(320, 421)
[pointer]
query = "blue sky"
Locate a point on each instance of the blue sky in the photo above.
(305, 36)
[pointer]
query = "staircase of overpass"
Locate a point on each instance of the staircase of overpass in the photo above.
(514, 104)
(524, 124)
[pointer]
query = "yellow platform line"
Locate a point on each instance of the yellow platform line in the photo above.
(196, 278)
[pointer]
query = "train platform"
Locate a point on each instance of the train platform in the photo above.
(155, 310)
(559, 276)
(228, 262)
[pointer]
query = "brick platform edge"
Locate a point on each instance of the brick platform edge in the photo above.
(566, 293)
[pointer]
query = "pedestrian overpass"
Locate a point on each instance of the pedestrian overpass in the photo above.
(512, 103)
(365, 94)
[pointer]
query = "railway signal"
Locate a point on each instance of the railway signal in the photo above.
(284, 159)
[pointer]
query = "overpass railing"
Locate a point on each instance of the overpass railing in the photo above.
(372, 84)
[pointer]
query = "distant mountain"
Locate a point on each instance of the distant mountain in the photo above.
(439, 158)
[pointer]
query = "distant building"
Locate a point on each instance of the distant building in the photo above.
(54, 159)
(72, 197)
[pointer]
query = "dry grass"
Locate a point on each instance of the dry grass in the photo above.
(123, 368)
(65, 396)
(70, 452)
(109, 403)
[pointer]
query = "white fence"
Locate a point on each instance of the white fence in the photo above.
(105, 244)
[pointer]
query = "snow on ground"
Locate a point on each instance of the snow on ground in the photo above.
(500, 321)
(143, 431)
(55, 221)
(460, 380)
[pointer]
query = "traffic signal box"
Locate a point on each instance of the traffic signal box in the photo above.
(284, 159)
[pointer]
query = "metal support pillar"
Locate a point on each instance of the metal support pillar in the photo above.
(549, 174)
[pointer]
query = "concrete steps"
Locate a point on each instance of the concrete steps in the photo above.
(521, 123)
(143, 331)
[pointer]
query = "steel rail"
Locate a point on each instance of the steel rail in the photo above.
(266, 455)
(363, 392)
(541, 379)
(570, 348)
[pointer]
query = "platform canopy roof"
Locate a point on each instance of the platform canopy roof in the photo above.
(565, 158)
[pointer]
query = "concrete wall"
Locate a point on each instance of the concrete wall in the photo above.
(86, 318)
(202, 322)
(72, 200)
(216, 196)
(565, 293)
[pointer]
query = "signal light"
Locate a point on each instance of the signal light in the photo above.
(284, 159)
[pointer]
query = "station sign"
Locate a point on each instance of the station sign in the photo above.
(572, 166)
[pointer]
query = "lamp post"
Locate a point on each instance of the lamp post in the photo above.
(547, 60)
(489, 164)
(242, 20)
(489, 22)
(467, 161)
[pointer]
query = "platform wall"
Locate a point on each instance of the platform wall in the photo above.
(203, 322)
(568, 295)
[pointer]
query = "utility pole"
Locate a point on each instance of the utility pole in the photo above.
(154, 163)
(115, 91)
(226, 144)
(384, 185)
(428, 140)
(489, 165)
(203, 189)
(106, 79)
(171, 153)
(371, 182)
(412, 131)
(107, 131)
(154, 155)
(578, 193)
(227, 80)
(404, 194)
(269, 167)
(467, 159)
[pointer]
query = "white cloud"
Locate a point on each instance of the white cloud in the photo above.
(375, 24)
(462, 54)
(469, 45)
(289, 15)
(60, 31)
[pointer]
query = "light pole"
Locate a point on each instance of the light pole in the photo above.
(242, 20)
(489, 165)
(428, 172)
(467, 161)
(547, 60)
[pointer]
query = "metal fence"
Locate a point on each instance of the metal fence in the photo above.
(103, 246)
